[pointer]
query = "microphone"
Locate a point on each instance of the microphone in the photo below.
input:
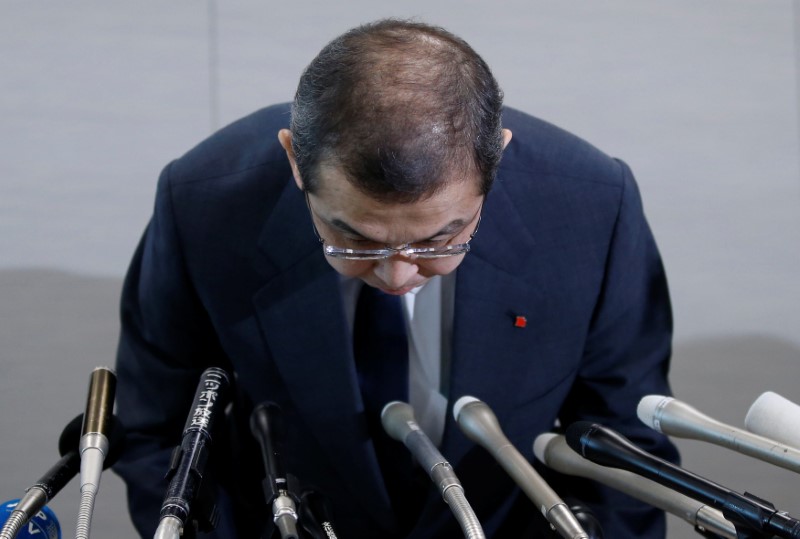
(479, 424)
(775, 417)
(189, 459)
(27, 509)
(316, 515)
(552, 449)
(609, 448)
(266, 424)
(673, 417)
(399, 423)
(43, 525)
(93, 446)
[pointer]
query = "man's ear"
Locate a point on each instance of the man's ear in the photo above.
(285, 138)
(506, 137)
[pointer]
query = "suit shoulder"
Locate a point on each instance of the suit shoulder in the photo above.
(246, 146)
(546, 150)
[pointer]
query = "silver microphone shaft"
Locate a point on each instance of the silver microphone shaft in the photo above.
(398, 421)
(478, 423)
(675, 418)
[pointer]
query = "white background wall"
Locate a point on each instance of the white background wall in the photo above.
(700, 98)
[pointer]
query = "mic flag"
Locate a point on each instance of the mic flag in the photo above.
(43, 525)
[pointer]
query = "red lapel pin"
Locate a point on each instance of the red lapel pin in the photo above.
(520, 322)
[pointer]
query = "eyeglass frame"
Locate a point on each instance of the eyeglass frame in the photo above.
(429, 253)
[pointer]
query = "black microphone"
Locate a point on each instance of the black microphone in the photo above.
(189, 459)
(316, 516)
(552, 449)
(61, 473)
(266, 424)
(609, 448)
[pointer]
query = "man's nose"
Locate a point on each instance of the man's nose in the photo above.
(396, 271)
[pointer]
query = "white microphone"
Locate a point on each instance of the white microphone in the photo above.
(675, 418)
(552, 449)
(399, 423)
(479, 424)
(776, 417)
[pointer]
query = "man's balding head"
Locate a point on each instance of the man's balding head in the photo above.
(402, 108)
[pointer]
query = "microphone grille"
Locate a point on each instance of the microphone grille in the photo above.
(540, 445)
(460, 403)
(776, 417)
(649, 410)
(575, 432)
(397, 418)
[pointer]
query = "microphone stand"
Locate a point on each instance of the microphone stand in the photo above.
(307, 511)
(266, 425)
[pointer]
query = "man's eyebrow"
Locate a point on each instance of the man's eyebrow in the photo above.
(454, 226)
(344, 227)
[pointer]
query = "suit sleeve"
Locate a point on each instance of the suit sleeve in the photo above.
(166, 342)
(626, 356)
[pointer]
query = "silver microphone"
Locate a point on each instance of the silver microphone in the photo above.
(675, 418)
(479, 424)
(552, 449)
(399, 423)
(93, 446)
(775, 417)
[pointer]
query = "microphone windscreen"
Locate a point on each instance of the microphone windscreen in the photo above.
(460, 403)
(648, 409)
(395, 418)
(540, 445)
(70, 437)
(575, 432)
(775, 417)
(43, 525)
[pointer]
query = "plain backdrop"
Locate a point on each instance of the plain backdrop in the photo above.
(700, 98)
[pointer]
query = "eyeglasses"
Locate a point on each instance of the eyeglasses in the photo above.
(387, 252)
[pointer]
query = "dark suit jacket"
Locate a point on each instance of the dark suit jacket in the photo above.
(230, 273)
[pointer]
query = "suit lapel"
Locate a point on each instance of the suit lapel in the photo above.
(493, 288)
(301, 316)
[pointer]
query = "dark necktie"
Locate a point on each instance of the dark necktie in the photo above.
(380, 346)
